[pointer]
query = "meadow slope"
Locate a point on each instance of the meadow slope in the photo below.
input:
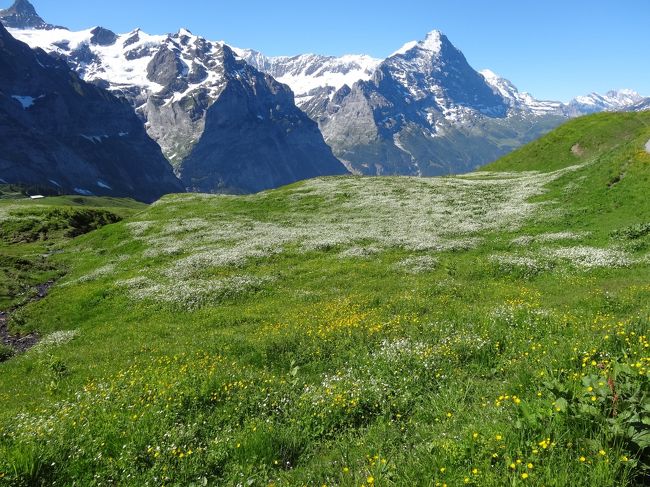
(488, 329)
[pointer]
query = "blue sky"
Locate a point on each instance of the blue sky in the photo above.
(551, 48)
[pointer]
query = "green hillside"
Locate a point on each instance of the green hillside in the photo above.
(31, 230)
(488, 329)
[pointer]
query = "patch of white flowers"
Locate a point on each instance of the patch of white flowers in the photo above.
(6, 212)
(417, 264)
(359, 252)
(510, 263)
(56, 339)
(195, 293)
(361, 217)
(98, 273)
(581, 257)
(590, 257)
(139, 228)
(395, 351)
(548, 237)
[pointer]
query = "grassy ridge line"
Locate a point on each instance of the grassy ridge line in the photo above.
(610, 192)
(350, 331)
(575, 141)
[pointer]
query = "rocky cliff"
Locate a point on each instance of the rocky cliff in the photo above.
(60, 132)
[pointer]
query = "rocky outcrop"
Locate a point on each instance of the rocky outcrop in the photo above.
(102, 37)
(60, 132)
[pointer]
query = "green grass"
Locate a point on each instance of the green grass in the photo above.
(32, 229)
(483, 330)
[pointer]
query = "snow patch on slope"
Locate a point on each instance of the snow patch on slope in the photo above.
(113, 66)
(432, 42)
(25, 101)
(521, 100)
(307, 72)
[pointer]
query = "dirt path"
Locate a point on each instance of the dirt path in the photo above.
(21, 343)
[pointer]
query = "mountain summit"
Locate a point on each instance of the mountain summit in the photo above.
(417, 114)
(22, 15)
(432, 43)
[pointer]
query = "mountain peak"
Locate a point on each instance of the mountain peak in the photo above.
(23, 7)
(432, 43)
(22, 15)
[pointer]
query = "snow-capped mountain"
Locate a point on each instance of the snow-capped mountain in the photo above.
(174, 82)
(424, 111)
(311, 74)
(612, 101)
(58, 132)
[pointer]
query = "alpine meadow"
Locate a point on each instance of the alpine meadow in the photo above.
(222, 266)
(485, 329)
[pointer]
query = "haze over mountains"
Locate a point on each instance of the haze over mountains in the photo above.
(227, 121)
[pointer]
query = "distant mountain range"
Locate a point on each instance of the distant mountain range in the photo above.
(227, 120)
(423, 110)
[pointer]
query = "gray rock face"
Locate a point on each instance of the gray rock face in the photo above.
(102, 37)
(254, 137)
(165, 67)
(59, 132)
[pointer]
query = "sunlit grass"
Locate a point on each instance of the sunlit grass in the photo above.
(484, 330)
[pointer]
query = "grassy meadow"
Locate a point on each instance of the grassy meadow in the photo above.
(489, 329)
(31, 230)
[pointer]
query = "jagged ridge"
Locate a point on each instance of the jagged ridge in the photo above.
(59, 131)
